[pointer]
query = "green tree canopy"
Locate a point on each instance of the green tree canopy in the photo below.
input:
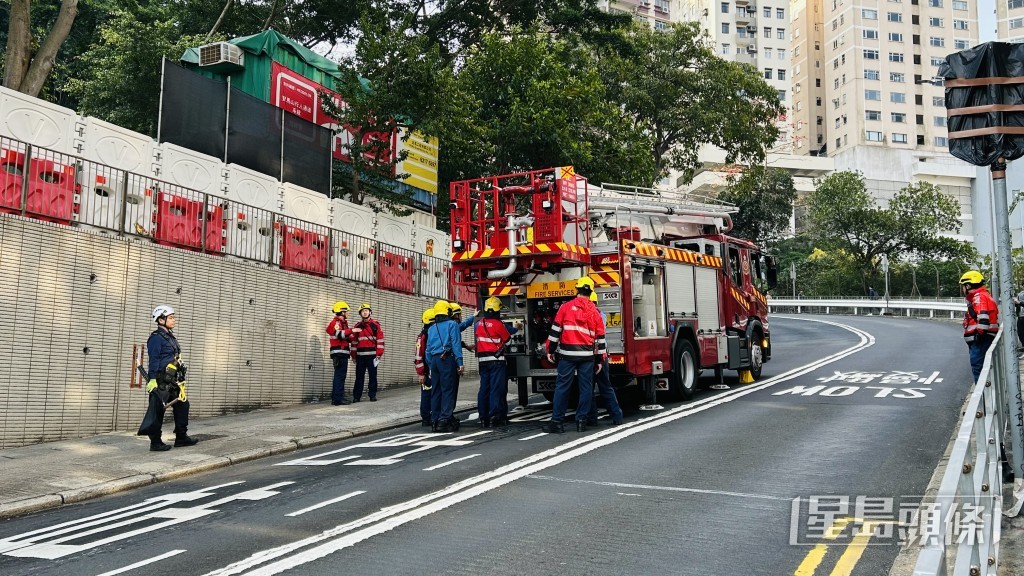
(765, 198)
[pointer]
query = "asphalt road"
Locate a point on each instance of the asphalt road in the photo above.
(846, 425)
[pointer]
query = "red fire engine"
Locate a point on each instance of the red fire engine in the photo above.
(678, 294)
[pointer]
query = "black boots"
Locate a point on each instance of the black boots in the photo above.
(581, 425)
(553, 427)
(161, 447)
(184, 440)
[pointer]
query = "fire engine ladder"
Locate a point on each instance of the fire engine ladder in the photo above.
(682, 213)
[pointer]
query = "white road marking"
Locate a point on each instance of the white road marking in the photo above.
(131, 567)
(534, 436)
(420, 441)
(281, 558)
(327, 503)
(665, 488)
(443, 464)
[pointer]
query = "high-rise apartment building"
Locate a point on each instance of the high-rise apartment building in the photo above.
(657, 13)
(1010, 20)
(878, 110)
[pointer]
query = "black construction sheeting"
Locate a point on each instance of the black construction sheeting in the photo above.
(307, 154)
(989, 60)
(254, 134)
(193, 111)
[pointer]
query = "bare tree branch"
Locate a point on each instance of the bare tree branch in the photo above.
(42, 62)
(220, 19)
(270, 17)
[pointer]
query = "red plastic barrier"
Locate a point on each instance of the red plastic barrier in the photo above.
(395, 272)
(52, 189)
(303, 251)
(179, 223)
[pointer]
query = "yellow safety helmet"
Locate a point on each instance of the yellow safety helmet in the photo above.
(593, 297)
(428, 315)
(492, 304)
(340, 306)
(972, 277)
(585, 282)
(442, 308)
(455, 307)
(365, 306)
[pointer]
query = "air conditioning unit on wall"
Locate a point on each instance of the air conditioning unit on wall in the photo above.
(221, 57)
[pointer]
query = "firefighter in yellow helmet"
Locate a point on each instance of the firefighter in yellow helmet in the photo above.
(492, 336)
(444, 362)
(981, 321)
(339, 333)
(422, 372)
(577, 339)
(369, 339)
(604, 385)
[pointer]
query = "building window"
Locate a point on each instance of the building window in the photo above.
(780, 74)
(936, 61)
(659, 25)
(895, 56)
(767, 32)
(871, 75)
(895, 37)
(872, 94)
(768, 53)
(897, 97)
(767, 12)
(939, 101)
(662, 6)
(937, 42)
(782, 53)
(817, 82)
(941, 141)
(899, 138)
(935, 3)
(871, 14)
(837, 122)
(838, 142)
(726, 49)
(782, 95)
(872, 115)
(1016, 23)
(939, 121)
(874, 136)
(818, 121)
(897, 77)
(742, 33)
(899, 117)
(960, 24)
(780, 13)
(935, 22)
(725, 7)
(767, 73)
(725, 27)
(871, 33)
(961, 44)
(817, 101)
(870, 54)
(895, 17)
(780, 33)
(1015, 4)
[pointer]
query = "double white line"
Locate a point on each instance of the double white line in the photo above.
(277, 560)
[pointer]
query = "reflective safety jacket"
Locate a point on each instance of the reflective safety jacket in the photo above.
(339, 333)
(421, 347)
(578, 331)
(491, 337)
(982, 317)
(369, 338)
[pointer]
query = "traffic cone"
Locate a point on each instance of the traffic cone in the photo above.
(746, 377)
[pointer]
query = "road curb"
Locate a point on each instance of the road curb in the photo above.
(56, 500)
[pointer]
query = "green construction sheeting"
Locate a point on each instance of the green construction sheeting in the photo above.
(262, 49)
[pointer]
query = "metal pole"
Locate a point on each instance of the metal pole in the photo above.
(227, 120)
(203, 214)
(26, 167)
(160, 111)
(1009, 358)
(123, 220)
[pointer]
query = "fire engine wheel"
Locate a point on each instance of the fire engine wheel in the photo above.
(683, 381)
(756, 356)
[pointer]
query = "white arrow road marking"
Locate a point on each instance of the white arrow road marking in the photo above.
(434, 442)
(424, 441)
(443, 464)
(327, 503)
(43, 544)
(131, 567)
(281, 558)
(534, 436)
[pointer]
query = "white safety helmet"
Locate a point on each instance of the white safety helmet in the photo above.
(162, 310)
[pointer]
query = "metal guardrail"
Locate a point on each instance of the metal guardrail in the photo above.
(868, 306)
(47, 185)
(971, 486)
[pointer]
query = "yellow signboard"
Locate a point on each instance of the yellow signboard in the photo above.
(420, 164)
(551, 289)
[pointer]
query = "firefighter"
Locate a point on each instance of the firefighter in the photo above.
(456, 316)
(981, 321)
(444, 361)
(604, 382)
(577, 337)
(422, 372)
(339, 333)
(167, 380)
(369, 339)
(492, 335)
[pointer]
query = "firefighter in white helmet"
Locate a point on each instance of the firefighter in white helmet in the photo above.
(166, 386)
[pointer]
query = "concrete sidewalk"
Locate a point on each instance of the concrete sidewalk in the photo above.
(52, 474)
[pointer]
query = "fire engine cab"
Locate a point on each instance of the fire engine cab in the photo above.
(678, 294)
